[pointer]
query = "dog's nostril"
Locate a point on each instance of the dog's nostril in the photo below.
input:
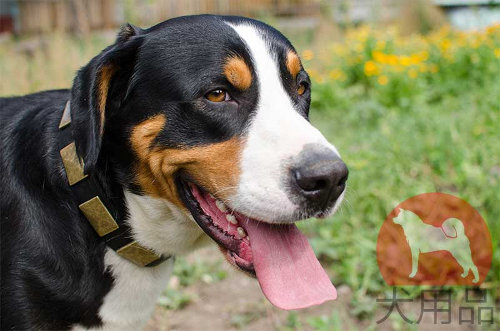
(321, 178)
(320, 184)
(343, 178)
(310, 182)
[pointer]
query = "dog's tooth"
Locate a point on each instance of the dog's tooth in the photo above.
(231, 219)
(241, 232)
(222, 207)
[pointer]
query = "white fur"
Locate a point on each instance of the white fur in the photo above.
(162, 227)
(131, 301)
(277, 133)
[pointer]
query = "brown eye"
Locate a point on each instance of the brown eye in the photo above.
(302, 88)
(217, 96)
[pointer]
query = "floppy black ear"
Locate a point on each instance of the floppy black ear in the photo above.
(98, 89)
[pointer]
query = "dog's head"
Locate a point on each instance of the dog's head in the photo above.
(210, 114)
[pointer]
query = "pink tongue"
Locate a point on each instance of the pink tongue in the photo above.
(287, 269)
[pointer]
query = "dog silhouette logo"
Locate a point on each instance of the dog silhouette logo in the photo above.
(434, 239)
(425, 238)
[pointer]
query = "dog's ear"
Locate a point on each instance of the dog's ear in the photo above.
(99, 89)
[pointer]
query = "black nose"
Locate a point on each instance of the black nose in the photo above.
(321, 176)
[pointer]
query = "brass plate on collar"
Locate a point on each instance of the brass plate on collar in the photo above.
(66, 118)
(137, 254)
(72, 164)
(99, 217)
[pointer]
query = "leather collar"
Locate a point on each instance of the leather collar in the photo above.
(95, 205)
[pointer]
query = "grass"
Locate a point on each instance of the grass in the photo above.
(437, 131)
(408, 114)
(404, 135)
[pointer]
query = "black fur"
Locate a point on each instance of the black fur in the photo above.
(52, 267)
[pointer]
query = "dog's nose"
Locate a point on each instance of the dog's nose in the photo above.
(321, 176)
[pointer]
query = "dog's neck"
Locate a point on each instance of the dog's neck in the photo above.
(105, 212)
(162, 226)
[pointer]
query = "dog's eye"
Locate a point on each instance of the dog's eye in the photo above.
(301, 89)
(218, 96)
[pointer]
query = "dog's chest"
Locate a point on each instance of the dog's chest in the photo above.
(132, 299)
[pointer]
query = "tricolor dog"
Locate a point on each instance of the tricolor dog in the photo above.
(192, 131)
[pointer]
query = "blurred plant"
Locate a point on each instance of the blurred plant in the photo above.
(410, 115)
(397, 69)
(190, 273)
(173, 299)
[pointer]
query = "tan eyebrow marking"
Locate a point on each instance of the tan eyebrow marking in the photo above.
(238, 73)
(293, 63)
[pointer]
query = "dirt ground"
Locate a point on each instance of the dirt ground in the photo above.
(237, 303)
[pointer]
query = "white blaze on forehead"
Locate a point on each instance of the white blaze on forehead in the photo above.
(277, 133)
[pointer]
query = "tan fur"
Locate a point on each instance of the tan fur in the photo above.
(293, 63)
(238, 73)
(105, 75)
(215, 166)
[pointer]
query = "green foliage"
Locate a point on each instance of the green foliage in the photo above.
(174, 299)
(438, 131)
(240, 320)
(190, 273)
(326, 323)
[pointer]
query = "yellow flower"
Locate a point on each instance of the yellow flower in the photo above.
(307, 55)
(392, 60)
(491, 29)
(405, 61)
(423, 55)
(371, 68)
(382, 80)
(497, 52)
(445, 44)
(379, 56)
(412, 73)
(337, 74)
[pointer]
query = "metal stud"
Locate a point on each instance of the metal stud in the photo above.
(137, 254)
(98, 216)
(66, 118)
(72, 164)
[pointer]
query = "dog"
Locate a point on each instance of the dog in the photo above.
(425, 238)
(192, 131)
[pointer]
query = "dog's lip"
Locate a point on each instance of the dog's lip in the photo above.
(229, 245)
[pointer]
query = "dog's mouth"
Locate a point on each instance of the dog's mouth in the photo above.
(278, 255)
(223, 225)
